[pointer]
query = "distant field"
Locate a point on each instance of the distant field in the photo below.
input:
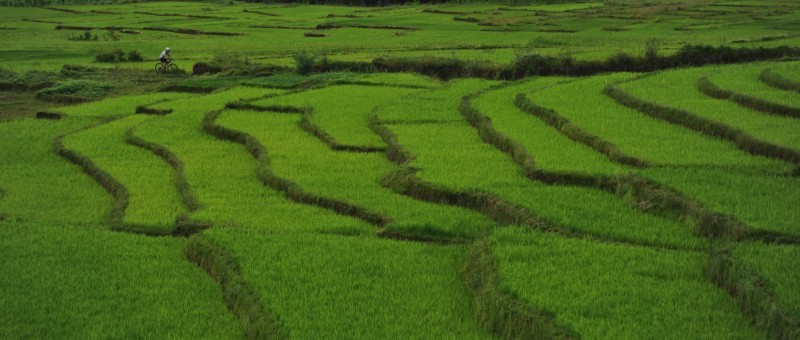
(283, 196)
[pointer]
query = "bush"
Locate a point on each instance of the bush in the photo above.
(111, 56)
(134, 55)
(74, 91)
(7, 74)
(304, 62)
(86, 36)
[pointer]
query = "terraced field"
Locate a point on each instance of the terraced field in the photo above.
(397, 205)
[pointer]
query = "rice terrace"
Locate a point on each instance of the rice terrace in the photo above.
(387, 169)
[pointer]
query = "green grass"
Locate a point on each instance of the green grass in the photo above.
(40, 186)
(154, 203)
(355, 286)
(65, 282)
(349, 176)
(615, 291)
(678, 89)
(773, 262)
(551, 150)
(223, 175)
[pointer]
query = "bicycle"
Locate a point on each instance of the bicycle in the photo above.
(168, 67)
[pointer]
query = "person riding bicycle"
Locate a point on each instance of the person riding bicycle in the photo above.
(164, 57)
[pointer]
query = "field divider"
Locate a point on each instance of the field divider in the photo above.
(503, 313)
(565, 127)
(647, 196)
(752, 294)
(144, 109)
(710, 89)
(405, 181)
(117, 191)
(366, 83)
(777, 81)
(256, 320)
(292, 190)
(190, 201)
(306, 124)
(708, 127)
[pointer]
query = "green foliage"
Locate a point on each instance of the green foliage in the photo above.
(74, 91)
(86, 36)
(116, 55)
(304, 62)
(134, 55)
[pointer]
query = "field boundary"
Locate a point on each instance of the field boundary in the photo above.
(190, 201)
(752, 294)
(572, 131)
(117, 191)
(645, 195)
(777, 81)
(500, 312)
(708, 127)
(292, 190)
(256, 320)
(707, 87)
(405, 181)
(306, 124)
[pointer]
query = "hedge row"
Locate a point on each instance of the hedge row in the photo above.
(710, 89)
(541, 65)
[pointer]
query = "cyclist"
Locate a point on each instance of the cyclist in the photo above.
(164, 57)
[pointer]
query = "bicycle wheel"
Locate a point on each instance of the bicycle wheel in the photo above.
(159, 68)
(172, 68)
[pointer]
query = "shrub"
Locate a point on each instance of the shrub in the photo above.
(7, 74)
(111, 56)
(304, 62)
(86, 36)
(74, 91)
(205, 68)
(134, 55)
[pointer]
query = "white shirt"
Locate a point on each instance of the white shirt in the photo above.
(163, 54)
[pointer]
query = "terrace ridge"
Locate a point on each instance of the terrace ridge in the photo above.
(256, 320)
(649, 197)
(709, 127)
(292, 190)
(777, 81)
(707, 87)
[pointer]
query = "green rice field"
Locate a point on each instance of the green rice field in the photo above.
(564, 169)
